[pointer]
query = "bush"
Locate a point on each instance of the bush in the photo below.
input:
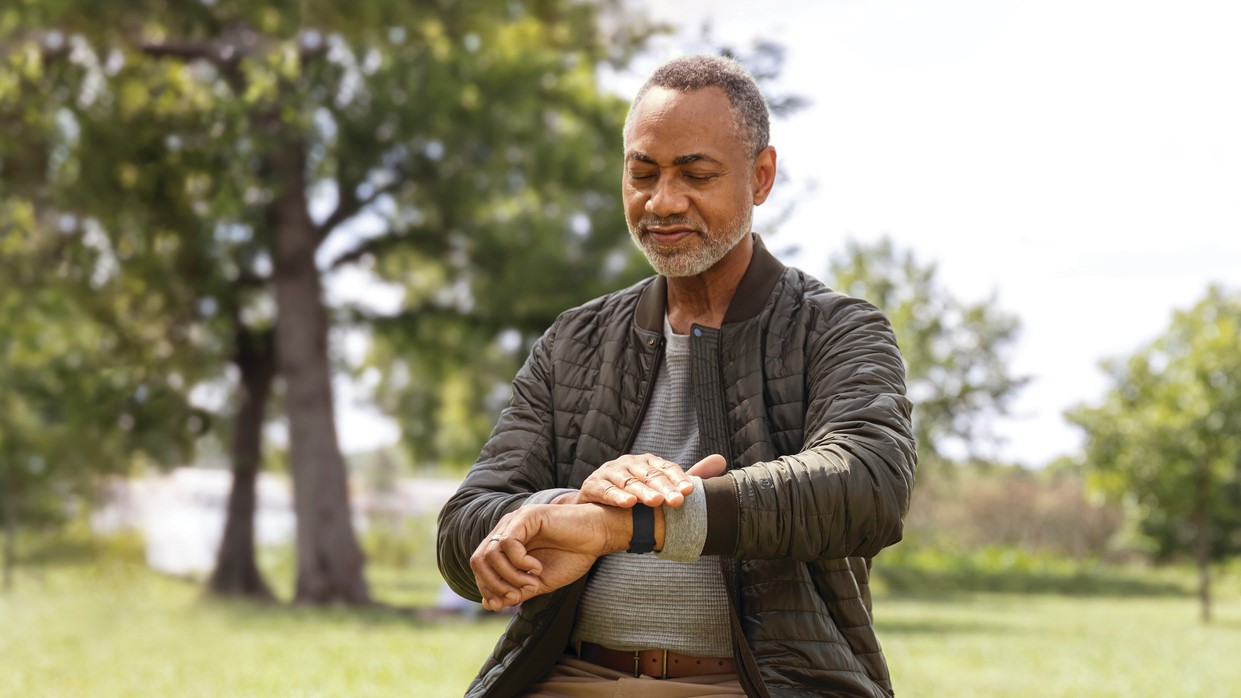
(1014, 508)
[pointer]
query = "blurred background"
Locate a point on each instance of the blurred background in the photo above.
(266, 270)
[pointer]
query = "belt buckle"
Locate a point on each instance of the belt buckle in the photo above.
(637, 664)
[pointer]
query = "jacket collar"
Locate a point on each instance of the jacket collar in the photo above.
(751, 295)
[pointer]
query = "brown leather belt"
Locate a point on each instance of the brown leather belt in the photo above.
(662, 664)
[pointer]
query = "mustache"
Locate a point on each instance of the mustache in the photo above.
(648, 222)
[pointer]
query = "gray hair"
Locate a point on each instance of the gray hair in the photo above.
(690, 73)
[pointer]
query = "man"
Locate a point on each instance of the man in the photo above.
(784, 400)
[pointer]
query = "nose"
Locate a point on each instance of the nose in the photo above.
(667, 198)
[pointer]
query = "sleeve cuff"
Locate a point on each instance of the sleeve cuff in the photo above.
(723, 515)
(685, 527)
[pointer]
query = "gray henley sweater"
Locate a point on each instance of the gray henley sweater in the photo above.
(673, 599)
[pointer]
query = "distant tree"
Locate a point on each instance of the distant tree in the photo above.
(956, 353)
(1168, 435)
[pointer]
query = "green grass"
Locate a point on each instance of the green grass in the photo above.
(1002, 644)
(115, 629)
(108, 628)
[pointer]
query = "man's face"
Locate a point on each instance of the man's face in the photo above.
(690, 179)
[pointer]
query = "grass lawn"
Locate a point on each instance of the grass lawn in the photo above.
(115, 629)
(991, 644)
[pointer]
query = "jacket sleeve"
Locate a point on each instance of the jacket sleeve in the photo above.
(847, 492)
(515, 462)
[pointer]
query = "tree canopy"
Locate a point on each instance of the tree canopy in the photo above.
(1167, 435)
(71, 408)
(956, 353)
(227, 155)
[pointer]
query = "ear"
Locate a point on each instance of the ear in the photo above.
(764, 174)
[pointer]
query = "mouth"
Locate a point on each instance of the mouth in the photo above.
(668, 234)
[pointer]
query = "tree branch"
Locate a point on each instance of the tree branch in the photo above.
(218, 55)
(367, 246)
(350, 205)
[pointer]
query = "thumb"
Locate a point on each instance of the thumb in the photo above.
(713, 465)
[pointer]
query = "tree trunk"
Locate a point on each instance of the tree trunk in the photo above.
(1203, 555)
(329, 559)
(9, 502)
(1202, 539)
(236, 570)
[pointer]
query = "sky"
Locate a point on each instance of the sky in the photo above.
(1078, 159)
(1081, 159)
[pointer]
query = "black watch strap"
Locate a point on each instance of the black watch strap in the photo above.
(643, 540)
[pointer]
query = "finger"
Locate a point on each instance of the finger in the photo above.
(713, 465)
(635, 483)
(515, 566)
(600, 490)
(665, 477)
(491, 585)
(493, 596)
(680, 480)
(650, 488)
(617, 493)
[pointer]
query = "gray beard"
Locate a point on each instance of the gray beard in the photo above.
(711, 248)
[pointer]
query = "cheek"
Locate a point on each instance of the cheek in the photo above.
(633, 205)
(721, 206)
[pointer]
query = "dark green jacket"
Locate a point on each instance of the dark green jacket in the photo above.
(801, 389)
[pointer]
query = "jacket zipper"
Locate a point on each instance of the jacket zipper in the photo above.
(648, 390)
(747, 668)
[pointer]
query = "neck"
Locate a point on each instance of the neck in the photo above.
(703, 299)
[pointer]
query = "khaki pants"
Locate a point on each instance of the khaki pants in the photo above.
(574, 678)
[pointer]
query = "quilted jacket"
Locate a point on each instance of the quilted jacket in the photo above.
(801, 389)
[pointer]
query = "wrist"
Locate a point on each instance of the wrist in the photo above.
(617, 526)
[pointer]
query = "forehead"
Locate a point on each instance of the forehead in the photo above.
(668, 123)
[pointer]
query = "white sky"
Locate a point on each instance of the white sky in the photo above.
(1082, 158)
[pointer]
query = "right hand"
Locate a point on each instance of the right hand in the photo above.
(539, 548)
(646, 478)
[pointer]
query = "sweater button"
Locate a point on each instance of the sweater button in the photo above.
(697, 331)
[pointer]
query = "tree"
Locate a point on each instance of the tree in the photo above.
(93, 151)
(69, 412)
(1167, 435)
(956, 354)
(453, 130)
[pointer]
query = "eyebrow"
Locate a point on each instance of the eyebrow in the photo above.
(679, 160)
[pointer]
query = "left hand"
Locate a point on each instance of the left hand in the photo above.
(649, 479)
